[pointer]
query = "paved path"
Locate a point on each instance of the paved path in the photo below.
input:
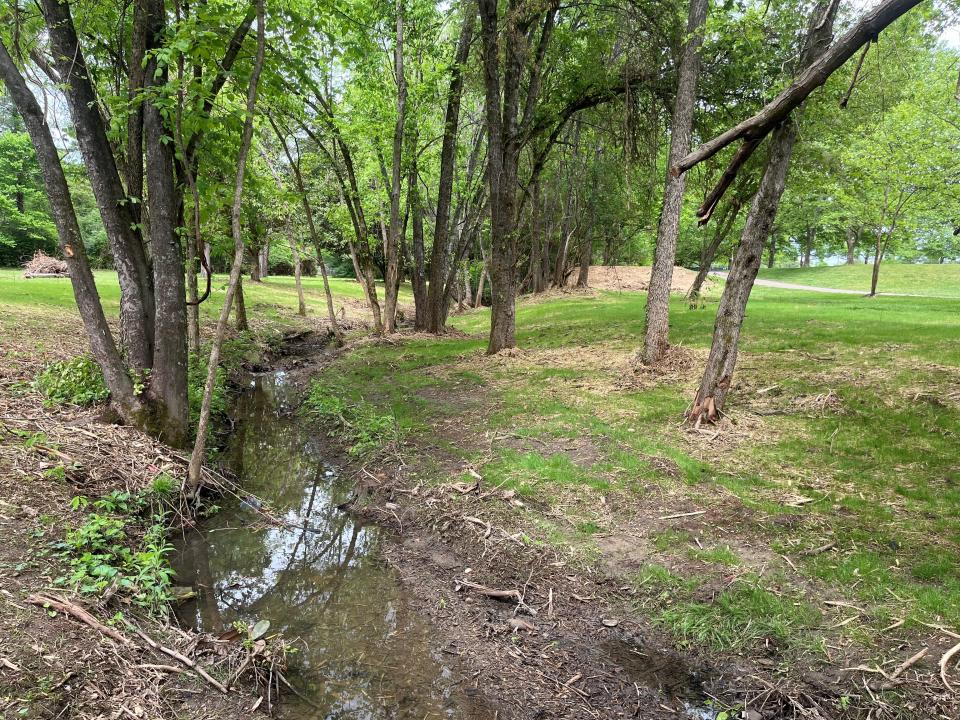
(832, 291)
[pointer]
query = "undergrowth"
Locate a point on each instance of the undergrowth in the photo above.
(365, 427)
(77, 381)
(121, 546)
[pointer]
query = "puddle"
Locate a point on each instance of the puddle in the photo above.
(665, 672)
(363, 652)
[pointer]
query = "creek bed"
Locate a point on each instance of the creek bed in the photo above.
(362, 649)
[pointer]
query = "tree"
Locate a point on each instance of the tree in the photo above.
(657, 318)
(721, 362)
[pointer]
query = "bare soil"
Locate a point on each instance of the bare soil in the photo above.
(635, 278)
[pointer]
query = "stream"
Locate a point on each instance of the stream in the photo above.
(363, 651)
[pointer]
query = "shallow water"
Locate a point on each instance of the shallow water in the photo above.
(363, 651)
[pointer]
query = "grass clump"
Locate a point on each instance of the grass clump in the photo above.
(77, 381)
(744, 614)
(365, 427)
(121, 546)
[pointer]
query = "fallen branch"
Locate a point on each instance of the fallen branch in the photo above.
(491, 592)
(481, 523)
(683, 515)
(183, 659)
(818, 550)
(944, 661)
(909, 662)
(68, 608)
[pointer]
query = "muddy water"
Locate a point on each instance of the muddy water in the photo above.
(362, 651)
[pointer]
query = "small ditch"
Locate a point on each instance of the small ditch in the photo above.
(362, 649)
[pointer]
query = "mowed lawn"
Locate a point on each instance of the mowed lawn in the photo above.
(928, 280)
(836, 476)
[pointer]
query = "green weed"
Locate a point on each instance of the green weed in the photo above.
(77, 381)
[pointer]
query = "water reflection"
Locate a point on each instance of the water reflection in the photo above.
(363, 653)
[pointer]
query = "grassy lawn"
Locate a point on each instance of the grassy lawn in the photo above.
(930, 280)
(837, 480)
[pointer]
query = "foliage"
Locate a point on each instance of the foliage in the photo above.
(121, 546)
(77, 381)
(368, 430)
(197, 379)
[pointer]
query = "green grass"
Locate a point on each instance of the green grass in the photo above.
(273, 291)
(929, 280)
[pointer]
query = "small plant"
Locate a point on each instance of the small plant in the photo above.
(102, 554)
(77, 381)
(366, 429)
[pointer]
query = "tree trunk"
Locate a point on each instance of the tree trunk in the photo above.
(718, 374)
(418, 270)
(297, 272)
(853, 238)
(265, 258)
(586, 255)
(478, 300)
(657, 319)
(234, 283)
(809, 237)
(391, 248)
(130, 261)
(102, 343)
(708, 253)
(168, 381)
(877, 259)
(772, 250)
(440, 255)
(242, 324)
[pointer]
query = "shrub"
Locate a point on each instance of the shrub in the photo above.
(77, 381)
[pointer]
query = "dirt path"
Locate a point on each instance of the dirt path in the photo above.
(832, 291)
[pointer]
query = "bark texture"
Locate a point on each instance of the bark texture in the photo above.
(657, 320)
(102, 342)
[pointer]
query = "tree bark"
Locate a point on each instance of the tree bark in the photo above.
(297, 274)
(657, 319)
(196, 458)
(391, 248)
(771, 249)
(440, 255)
(852, 239)
(101, 340)
(718, 374)
(586, 255)
(168, 381)
(130, 261)
(418, 270)
(242, 324)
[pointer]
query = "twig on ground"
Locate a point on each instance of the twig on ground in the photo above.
(68, 608)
